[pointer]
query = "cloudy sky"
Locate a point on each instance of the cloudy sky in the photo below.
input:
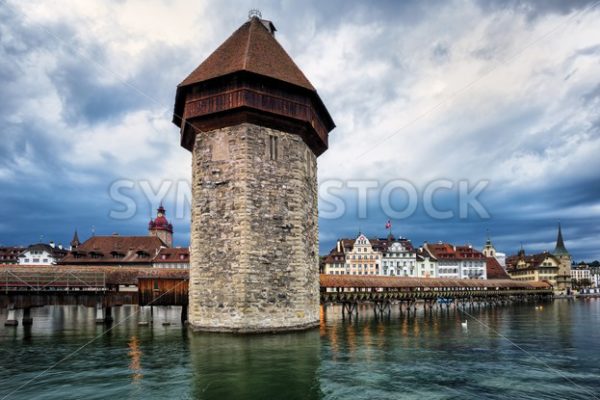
(502, 94)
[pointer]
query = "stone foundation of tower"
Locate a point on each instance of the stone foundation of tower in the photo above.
(254, 239)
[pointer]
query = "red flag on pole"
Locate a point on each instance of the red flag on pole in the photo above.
(388, 224)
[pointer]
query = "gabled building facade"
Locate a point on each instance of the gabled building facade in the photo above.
(42, 254)
(362, 259)
(427, 263)
(536, 267)
(378, 256)
(554, 268)
(399, 258)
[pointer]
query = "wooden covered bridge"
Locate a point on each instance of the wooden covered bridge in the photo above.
(383, 292)
(24, 287)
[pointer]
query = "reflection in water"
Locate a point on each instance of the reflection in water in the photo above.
(281, 366)
(136, 359)
(416, 357)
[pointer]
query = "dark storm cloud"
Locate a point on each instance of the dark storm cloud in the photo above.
(85, 98)
(75, 67)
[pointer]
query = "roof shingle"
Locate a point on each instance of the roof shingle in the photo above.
(250, 48)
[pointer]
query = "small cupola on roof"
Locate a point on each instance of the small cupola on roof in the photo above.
(254, 13)
(251, 78)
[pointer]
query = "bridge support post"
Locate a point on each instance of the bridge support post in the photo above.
(27, 320)
(11, 319)
(351, 308)
(184, 313)
(108, 315)
(103, 314)
(146, 317)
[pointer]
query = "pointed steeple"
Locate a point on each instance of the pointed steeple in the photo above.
(521, 252)
(75, 242)
(560, 249)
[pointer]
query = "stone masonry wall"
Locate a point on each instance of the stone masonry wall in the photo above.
(254, 244)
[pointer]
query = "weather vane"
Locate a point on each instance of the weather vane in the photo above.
(255, 12)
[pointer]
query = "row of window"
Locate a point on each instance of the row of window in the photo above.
(360, 257)
(404, 264)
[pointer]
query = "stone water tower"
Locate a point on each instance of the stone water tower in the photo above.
(255, 126)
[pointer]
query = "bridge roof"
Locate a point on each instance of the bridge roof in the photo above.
(113, 275)
(374, 281)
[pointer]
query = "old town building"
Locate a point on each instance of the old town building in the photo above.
(554, 268)
(362, 259)
(459, 262)
(427, 263)
(334, 263)
(535, 267)
(136, 251)
(399, 258)
(378, 256)
(175, 258)
(117, 250)
(42, 254)
(10, 255)
(582, 274)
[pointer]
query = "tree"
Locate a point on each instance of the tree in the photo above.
(574, 283)
(585, 283)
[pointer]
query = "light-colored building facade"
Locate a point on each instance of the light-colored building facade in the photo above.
(426, 263)
(399, 259)
(335, 262)
(581, 272)
(362, 259)
(458, 262)
(42, 254)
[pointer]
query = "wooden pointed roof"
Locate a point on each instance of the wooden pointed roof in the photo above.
(251, 48)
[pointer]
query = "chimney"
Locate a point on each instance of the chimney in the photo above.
(51, 244)
(60, 246)
(338, 246)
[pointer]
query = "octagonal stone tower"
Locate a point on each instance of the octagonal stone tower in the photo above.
(255, 126)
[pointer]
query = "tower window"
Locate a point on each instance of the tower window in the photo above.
(273, 147)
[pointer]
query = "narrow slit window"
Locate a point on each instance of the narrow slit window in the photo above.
(273, 147)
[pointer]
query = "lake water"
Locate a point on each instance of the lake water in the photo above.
(515, 352)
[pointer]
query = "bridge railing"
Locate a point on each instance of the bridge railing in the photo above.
(388, 294)
(23, 280)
